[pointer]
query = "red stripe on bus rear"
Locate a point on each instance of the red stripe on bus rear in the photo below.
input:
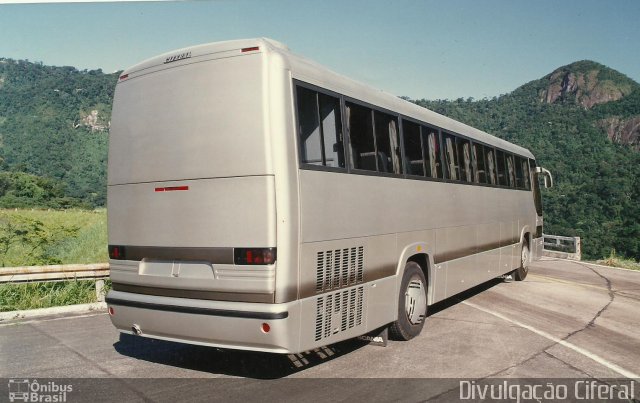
(172, 188)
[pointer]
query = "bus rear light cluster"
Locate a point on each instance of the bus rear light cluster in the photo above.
(116, 252)
(249, 256)
(251, 49)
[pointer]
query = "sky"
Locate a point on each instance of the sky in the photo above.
(433, 49)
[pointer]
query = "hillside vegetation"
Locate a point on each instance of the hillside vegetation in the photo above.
(53, 124)
(582, 121)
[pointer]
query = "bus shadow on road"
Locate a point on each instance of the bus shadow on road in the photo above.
(456, 299)
(255, 365)
(246, 364)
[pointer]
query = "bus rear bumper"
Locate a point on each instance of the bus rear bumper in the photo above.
(235, 325)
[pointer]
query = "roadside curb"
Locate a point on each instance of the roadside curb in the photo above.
(56, 310)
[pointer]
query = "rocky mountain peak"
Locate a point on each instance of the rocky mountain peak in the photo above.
(585, 83)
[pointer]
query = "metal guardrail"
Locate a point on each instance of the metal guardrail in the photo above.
(565, 247)
(96, 271)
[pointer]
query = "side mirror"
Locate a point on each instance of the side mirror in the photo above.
(548, 179)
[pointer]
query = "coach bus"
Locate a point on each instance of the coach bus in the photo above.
(259, 201)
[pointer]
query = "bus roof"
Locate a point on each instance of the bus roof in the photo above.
(314, 73)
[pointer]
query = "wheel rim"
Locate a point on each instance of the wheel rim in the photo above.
(415, 301)
(524, 260)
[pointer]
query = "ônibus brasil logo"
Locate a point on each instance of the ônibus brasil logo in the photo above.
(25, 390)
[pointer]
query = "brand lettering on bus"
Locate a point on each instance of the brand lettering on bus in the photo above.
(175, 58)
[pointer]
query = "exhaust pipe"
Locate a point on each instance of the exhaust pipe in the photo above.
(136, 330)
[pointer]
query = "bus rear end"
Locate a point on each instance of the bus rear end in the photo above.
(191, 201)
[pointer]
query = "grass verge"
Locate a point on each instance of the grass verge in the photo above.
(87, 245)
(22, 296)
(617, 261)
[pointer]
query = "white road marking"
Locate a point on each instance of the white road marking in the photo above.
(588, 354)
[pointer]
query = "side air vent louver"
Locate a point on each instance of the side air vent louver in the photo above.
(319, 317)
(339, 268)
(339, 311)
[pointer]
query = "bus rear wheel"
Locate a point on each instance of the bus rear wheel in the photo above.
(521, 272)
(412, 304)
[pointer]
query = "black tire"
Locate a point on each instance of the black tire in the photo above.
(521, 272)
(412, 304)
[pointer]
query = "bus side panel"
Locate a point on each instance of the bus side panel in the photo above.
(460, 274)
(476, 229)
(506, 252)
(488, 236)
(344, 286)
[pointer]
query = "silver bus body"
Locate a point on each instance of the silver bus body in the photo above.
(205, 164)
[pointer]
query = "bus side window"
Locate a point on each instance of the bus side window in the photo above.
(511, 171)
(464, 159)
(433, 155)
(387, 144)
(526, 175)
(332, 131)
(413, 148)
(308, 127)
(500, 165)
(362, 146)
(519, 178)
(451, 157)
(478, 162)
(491, 165)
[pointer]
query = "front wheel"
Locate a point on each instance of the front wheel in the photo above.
(412, 304)
(521, 272)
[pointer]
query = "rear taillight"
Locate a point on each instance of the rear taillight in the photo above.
(116, 252)
(254, 255)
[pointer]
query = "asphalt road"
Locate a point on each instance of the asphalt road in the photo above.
(566, 320)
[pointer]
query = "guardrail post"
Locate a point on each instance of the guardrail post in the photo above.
(578, 248)
(100, 290)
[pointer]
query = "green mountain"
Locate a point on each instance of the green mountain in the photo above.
(582, 121)
(53, 124)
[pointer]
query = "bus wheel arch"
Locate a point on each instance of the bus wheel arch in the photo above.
(525, 236)
(423, 261)
(412, 303)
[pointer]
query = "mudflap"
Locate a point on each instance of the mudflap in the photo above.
(378, 337)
